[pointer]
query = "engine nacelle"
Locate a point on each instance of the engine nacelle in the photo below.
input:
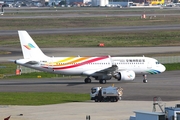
(125, 75)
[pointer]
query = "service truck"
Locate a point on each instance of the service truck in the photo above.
(106, 94)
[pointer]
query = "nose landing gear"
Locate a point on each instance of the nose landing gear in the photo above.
(144, 78)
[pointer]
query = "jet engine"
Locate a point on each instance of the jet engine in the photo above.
(125, 75)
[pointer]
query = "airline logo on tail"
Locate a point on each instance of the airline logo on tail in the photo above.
(29, 46)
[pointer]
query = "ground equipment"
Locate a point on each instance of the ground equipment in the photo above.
(106, 94)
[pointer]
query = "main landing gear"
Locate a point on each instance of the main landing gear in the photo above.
(87, 80)
(103, 81)
(144, 78)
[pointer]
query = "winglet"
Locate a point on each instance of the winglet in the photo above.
(112, 62)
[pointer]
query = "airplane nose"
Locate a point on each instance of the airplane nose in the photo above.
(163, 68)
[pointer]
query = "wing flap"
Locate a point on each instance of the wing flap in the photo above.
(109, 70)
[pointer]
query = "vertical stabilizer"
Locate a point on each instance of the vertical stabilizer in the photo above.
(29, 48)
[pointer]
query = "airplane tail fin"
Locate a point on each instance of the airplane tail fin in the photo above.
(29, 47)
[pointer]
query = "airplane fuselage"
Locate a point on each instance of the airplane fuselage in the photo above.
(78, 65)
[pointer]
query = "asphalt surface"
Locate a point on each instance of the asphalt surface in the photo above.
(83, 12)
(165, 85)
(94, 29)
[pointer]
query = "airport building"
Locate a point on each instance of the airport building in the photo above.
(100, 2)
(78, 3)
(107, 3)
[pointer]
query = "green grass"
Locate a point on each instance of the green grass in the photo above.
(7, 68)
(172, 66)
(110, 39)
(40, 98)
(36, 75)
(81, 22)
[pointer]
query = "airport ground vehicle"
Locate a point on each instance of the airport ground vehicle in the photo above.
(106, 94)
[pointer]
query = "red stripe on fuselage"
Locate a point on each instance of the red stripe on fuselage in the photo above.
(80, 64)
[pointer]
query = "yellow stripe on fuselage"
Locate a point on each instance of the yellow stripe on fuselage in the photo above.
(70, 60)
(67, 59)
(79, 60)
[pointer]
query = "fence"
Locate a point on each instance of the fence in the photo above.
(168, 59)
(27, 70)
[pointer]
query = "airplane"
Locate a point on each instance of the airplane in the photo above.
(101, 68)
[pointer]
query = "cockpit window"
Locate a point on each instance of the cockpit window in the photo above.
(157, 62)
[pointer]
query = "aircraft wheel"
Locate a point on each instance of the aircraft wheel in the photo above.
(87, 80)
(102, 81)
(145, 81)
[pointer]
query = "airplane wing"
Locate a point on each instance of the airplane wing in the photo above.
(107, 71)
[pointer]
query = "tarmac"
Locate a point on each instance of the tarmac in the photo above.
(120, 110)
(137, 96)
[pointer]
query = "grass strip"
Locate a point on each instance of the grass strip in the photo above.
(172, 66)
(40, 98)
(110, 39)
(81, 22)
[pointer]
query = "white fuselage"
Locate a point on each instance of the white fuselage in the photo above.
(78, 65)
